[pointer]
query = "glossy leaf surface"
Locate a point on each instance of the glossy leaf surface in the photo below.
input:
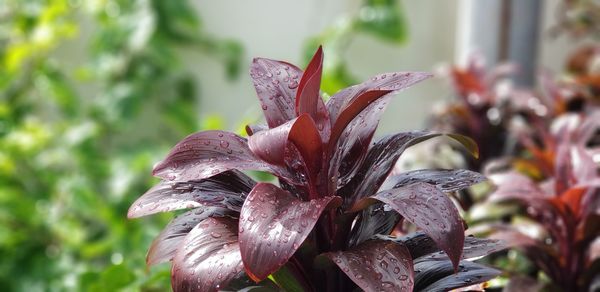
(429, 209)
(377, 266)
(273, 225)
(205, 154)
(209, 257)
(227, 190)
(447, 180)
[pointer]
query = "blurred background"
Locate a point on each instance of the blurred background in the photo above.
(94, 92)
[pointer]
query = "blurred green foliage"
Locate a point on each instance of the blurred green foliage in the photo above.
(77, 141)
(382, 19)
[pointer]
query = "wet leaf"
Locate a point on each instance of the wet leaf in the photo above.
(276, 83)
(439, 275)
(447, 180)
(377, 266)
(429, 209)
(227, 190)
(165, 245)
(273, 225)
(205, 154)
(209, 257)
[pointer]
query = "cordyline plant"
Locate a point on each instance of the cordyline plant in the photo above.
(326, 226)
(565, 206)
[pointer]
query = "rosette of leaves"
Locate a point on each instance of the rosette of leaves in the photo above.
(563, 209)
(324, 225)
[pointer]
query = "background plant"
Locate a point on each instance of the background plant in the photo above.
(68, 157)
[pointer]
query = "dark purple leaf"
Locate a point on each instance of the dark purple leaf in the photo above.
(348, 103)
(276, 83)
(165, 245)
(439, 275)
(377, 266)
(354, 143)
(564, 176)
(381, 159)
(209, 257)
(227, 190)
(273, 225)
(205, 154)
(270, 145)
(371, 221)
(421, 245)
(448, 180)
(429, 209)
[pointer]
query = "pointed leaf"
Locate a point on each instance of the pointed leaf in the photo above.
(421, 245)
(205, 154)
(276, 83)
(377, 266)
(208, 258)
(227, 190)
(379, 163)
(447, 180)
(270, 145)
(348, 103)
(308, 89)
(308, 98)
(429, 209)
(354, 143)
(273, 225)
(165, 245)
(438, 275)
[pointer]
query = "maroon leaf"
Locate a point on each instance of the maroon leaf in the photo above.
(270, 145)
(308, 98)
(564, 175)
(348, 103)
(447, 180)
(421, 245)
(227, 190)
(429, 209)
(205, 154)
(310, 84)
(209, 257)
(273, 224)
(377, 266)
(373, 220)
(354, 143)
(381, 159)
(165, 245)
(440, 275)
(276, 83)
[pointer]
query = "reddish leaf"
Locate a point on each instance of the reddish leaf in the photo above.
(377, 266)
(348, 103)
(429, 209)
(227, 190)
(165, 245)
(439, 275)
(205, 154)
(270, 145)
(273, 224)
(447, 180)
(276, 83)
(209, 257)
(354, 143)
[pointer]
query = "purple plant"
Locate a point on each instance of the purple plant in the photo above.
(326, 226)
